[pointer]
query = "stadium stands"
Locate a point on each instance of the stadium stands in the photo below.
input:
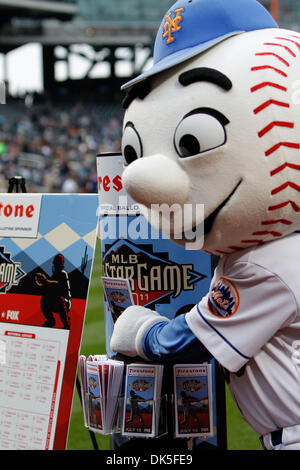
(288, 13)
(54, 147)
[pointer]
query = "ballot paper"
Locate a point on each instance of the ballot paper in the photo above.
(193, 400)
(142, 400)
(101, 384)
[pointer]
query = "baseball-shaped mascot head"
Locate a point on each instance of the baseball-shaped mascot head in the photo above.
(216, 122)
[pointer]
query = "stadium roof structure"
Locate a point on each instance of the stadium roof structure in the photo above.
(117, 33)
(63, 10)
(125, 11)
(96, 22)
(21, 20)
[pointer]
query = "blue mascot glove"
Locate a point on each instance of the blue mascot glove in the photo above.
(130, 328)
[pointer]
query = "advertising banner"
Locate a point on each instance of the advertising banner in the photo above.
(47, 246)
(162, 275)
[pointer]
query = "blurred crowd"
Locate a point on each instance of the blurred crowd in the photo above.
(54, 147)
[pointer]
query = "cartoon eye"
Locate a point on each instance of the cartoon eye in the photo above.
(199, 131)
(131, 144)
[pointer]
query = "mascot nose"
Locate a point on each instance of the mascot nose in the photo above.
(156, 180)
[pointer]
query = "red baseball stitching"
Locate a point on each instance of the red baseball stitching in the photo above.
(269, 103)
(285, 62)
(282, 167)
(265, 130)
(281, 45)
(278, 145)
(284, 204)
(282, 144)
(266, 232)
(271, 84)
(263, 67)
(287, 184)
(274, 222)
(273, 124)
(290, 40)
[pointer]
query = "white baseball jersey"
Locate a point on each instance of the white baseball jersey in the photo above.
(250, 322)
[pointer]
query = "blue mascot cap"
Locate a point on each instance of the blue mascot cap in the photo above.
(193, 26)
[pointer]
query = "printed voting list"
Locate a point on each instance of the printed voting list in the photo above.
(30, 385)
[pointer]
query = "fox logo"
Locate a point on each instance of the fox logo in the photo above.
(172, 25)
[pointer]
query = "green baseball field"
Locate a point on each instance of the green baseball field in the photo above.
(239, 435)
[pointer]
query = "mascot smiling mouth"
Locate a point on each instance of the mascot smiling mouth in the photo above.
(208, 222)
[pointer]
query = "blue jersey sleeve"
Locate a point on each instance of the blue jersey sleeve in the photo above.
(173, 341)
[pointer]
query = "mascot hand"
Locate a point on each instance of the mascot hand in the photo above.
(130, 328)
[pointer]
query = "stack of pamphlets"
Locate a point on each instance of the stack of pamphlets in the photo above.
(142, 400)
(101, 384)
(193, 400)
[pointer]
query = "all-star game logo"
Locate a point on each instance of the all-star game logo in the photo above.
(192, 385)
(140, 385)
(153, 276)
(10, 272)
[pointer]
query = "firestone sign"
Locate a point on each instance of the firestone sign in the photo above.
(19, 215)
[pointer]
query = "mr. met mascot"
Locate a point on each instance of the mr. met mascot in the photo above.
(216, 122)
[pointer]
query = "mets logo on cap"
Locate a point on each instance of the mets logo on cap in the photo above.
(172, 25)
(224, 299)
